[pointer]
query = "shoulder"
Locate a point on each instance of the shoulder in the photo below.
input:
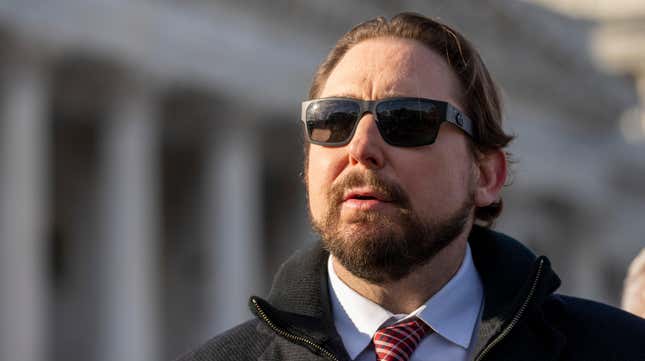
(577, 312)
(244, 342)
(597, 328)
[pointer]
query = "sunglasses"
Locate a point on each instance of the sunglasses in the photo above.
(402, 122)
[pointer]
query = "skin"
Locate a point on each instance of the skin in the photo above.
(436, 177)
(634, 291)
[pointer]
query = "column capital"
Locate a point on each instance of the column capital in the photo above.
(17, 50)
(615, 45)
(598, 9)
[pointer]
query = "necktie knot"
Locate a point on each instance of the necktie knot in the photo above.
(398, 341)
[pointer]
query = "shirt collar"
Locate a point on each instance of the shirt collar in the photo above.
(356, 318)
(452, 312)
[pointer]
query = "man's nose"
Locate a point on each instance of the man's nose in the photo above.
(367, 145)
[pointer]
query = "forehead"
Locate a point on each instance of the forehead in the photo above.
(386, 67)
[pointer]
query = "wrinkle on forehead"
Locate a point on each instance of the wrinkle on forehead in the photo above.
(388, 67)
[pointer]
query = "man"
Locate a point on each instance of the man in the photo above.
(404, 156)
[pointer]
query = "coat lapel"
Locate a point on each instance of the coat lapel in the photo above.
(299, 300)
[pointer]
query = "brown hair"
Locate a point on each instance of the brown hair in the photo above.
(480, 95)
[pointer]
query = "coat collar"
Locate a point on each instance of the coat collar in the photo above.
(299, 299)
(516, 283)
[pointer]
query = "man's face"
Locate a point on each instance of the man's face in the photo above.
(383, 210)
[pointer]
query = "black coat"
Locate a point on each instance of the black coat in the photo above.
(522, 318)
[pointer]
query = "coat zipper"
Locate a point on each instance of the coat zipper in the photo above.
(290, 336)
(517, 316)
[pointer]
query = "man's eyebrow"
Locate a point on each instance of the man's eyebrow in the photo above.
(343, 95)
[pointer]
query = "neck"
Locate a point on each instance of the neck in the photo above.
(412, 291)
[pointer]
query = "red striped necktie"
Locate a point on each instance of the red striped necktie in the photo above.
(397, 342)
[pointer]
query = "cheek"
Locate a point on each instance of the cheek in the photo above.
(323, 168)
(437, 196)
(437, 184)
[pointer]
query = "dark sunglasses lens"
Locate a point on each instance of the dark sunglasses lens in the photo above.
(409, 123)
(331, 121)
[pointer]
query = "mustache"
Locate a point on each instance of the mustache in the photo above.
(356, 179)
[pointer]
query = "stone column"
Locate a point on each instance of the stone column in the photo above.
(128, 226)
(640, 124)
(231, 225)
(23, 217)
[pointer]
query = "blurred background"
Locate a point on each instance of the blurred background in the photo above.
(150, 155)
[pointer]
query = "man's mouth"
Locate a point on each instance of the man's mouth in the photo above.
(365, 195)
(359, 196)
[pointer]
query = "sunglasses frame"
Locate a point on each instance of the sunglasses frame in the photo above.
(450, 114)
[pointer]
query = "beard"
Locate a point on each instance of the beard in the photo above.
(382, 248)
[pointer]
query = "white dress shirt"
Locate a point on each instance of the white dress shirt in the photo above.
(453, 314)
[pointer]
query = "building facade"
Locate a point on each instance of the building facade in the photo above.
(150, 164)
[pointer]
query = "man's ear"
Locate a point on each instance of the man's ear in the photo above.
(491, 177)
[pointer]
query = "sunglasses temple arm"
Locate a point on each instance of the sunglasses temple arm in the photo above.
(456, 117)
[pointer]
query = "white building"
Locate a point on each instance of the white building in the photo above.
(150, 160)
